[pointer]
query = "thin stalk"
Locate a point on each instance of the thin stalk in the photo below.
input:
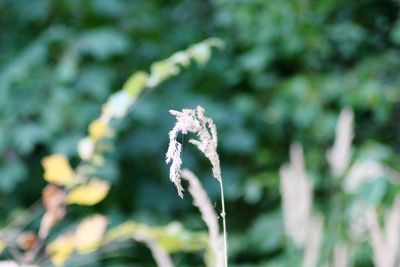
(223, 215)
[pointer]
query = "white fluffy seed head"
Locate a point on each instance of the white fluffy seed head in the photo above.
(297, 196)
(385, 240)
(339, 155)
(192, 121)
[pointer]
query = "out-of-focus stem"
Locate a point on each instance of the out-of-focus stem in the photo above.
(223, 215)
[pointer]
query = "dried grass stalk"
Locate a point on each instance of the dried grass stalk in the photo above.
(313, 242)
(297, 196)
(302, 227)
(385, 242)
(161, 256)
(340, 255)
(339, 155)
(208, 214)
(194, 121)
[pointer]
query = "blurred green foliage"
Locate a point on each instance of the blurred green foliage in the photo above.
(288, 68)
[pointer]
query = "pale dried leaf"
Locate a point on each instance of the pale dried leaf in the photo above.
(89, 233)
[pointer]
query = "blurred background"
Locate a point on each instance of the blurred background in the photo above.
(287, 70)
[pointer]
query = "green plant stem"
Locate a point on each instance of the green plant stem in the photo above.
(223, 215)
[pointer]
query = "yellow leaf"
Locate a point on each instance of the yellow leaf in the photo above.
(57, 169)
(201, 53)
(61, 249)
(89, 194)
(2, 246)
(98, 129)
(161, 71)
(181, 58)
(130, 229)
(136, 83)
(123, 231)
(89, 233)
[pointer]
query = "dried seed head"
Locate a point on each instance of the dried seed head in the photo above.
(297, 196)
(192, 121)
(339, 155)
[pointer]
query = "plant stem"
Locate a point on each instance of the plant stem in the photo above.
(223, 214)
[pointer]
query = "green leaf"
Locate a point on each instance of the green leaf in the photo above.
(12, 173)
(103, 43)
(136, 83)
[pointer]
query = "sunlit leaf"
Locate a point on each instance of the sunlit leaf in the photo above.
(201, 53)
(61, 249)
(57, 169)
(89, 194)
(175, 237)
(2, 246)
(86, 148)
(129, 229)
(136, 83)
(98, 129)
(118, 104)
(161, 71)
(180, 58)
(122, 231)
(89, 233)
